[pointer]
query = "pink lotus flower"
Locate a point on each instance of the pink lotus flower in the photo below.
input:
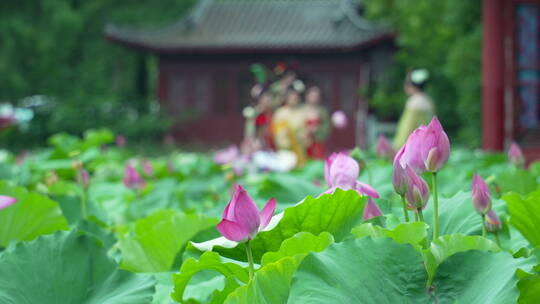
(492, 222)
(241, 218)
(384, 149)
(147, 168)
(481, 195)
(341, 171)
(417, 194)
(6, 201)
(427, 148)
(399, 176)
(371, 210)
(339, 119)
(227, 156)
(83, 177)
(132, 178)
(515, 155)
(120, 141)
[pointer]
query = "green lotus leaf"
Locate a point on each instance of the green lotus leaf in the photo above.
(154, 243)
(208, 261)
(68, 267)
(32, 216)
(335, 213)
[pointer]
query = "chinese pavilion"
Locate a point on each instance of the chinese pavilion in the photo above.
(204, 60)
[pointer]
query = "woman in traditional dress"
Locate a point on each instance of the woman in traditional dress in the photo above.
(264, 119)
(317, 123)
(288, 126)
(419, 108)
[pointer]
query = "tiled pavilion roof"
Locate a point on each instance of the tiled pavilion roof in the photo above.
(258, 25)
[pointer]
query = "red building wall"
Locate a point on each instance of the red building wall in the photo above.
(206, 94)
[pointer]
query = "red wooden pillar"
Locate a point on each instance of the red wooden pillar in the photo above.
(493, 75)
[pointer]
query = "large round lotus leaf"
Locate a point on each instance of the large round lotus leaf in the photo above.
(383, 271)
(335, 213)
(32, 216)
(361, 271)
(155, 241)
(479, 277)
(68, 268)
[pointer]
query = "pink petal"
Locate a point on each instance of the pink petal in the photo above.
(343, 172)
(244, 211)
(327, 165)
(267, 212)
(6, 201)
(371, 210)
(366, 189)
(232, 231)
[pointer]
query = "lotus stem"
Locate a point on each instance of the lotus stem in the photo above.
(84, 212)
(497, 239)
(435, 206)
(420, 214)
(416, 216)
(484, 233)
(405, 213)
(249, 254)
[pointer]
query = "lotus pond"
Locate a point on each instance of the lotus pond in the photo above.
(97, 223)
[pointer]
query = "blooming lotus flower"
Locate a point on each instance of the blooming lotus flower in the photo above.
(399, 176)
(83, 177)
(341, 171)
(6, 201)
(417, 194)
(132, 178)
(515, 155)
(339, 119)
(492, 222)
(241, 218)
(481, 195)
(120, 141)
(371, 210)
(427, 148)
(384, 149)
(227, 156)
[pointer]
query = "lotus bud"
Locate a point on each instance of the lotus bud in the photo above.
(417, 194)
(339, 119)
(384, 149)
(481, 195)
(428, 148)
(371, 210)
(492, 222)
(83, 177)
(399, 176)
(132, 178)
(241, 218)
(341, 171)
(6, 201)
(515, 155)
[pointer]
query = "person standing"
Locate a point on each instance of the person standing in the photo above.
(288, 125)
(317, 123)
(419, 108)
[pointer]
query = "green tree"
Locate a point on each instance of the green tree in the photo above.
(57, 48)
(443, 36)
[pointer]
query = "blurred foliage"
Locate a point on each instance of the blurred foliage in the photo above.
(444, 37)
(56, 48)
